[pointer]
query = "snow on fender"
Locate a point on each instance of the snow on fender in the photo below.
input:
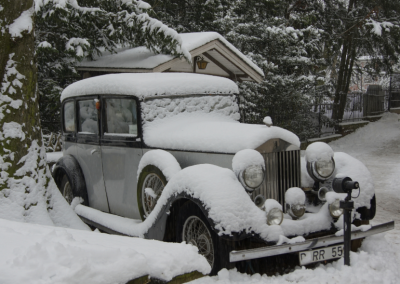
(163, 160)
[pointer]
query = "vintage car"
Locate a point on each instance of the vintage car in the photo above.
(163, 156)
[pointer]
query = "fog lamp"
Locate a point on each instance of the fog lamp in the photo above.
(335, 210)
(274, 217)
(296, 211)
(322, 193)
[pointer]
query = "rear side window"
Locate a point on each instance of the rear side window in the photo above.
(88, 117)
(69, 117)
(121, 117)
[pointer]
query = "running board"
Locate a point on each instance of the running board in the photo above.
(306, 245)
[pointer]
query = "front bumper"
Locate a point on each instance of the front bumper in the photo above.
(309, 244)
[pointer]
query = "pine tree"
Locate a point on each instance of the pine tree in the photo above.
(357, 28)
(277, 36)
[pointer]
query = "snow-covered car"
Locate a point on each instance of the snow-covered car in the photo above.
(166, 152)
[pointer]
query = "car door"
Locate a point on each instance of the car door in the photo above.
(121, 149)
(88, 151)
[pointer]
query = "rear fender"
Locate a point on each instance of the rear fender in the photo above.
(69, 166)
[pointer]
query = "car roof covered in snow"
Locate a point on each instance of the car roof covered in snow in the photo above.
(144, 85)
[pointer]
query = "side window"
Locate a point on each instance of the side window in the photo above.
(87, 117)
(69, 117)
(121, 117)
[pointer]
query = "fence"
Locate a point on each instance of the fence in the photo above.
(359, 106)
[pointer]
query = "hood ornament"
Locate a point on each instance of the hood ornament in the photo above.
(268, 121)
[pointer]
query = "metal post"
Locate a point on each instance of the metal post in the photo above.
(390, 92)
(347, 206)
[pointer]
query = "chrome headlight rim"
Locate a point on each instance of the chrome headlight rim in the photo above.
(245, 184)
(274, 217)
(312, 169)
(335, 210)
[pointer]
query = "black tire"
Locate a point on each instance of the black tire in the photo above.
(150, 176)
(69, 191)
(210, 245)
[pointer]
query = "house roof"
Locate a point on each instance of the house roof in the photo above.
(145, 85)
(224, 59)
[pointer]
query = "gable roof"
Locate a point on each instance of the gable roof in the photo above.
(224, 59)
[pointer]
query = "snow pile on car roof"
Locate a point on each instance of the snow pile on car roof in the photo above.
(41, 254)
(151, 84)
(210, 132)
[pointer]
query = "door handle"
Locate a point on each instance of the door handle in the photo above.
(94, 151)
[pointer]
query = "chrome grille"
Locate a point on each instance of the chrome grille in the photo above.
(282, 171)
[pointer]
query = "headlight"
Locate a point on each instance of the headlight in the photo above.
(249, 165)
(252, 177)
(321, 170)
(274, 217)
(295, 199)
(335, 210)
(325, 168)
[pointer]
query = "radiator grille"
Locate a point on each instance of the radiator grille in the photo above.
(282, 170)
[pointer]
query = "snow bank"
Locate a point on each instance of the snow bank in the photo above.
(163, 160)
(210, 132)
(40, 254)
(144, 85)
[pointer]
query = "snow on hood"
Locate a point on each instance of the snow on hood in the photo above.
(144, 85)
(210, 132)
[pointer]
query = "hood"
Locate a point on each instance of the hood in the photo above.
(208, 132)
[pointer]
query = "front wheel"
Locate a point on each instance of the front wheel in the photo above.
(193, 228)
(150, 186)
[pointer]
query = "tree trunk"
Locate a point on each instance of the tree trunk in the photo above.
(27, 190)
(345, 70)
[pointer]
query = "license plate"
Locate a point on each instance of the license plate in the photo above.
(321, 254)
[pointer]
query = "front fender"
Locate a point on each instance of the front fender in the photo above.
(165, 219)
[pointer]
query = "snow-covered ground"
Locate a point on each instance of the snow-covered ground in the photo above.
(37, 254)
(377, 145)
